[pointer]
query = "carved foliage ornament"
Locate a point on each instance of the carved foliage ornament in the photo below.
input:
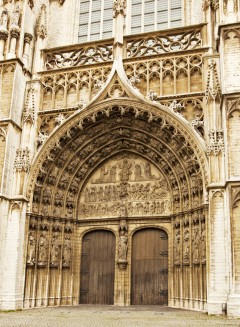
(214, 4)
(82, 56)
(213, 90)
(216, 142)
(119, 7)
(41, 28)
(22, 161)
(164, 44)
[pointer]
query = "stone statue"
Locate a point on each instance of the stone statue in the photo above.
(125, 171)
(42, 250)
(31, 250)
(138, 173)
(113, 172)
(203, 243)
(122, 247)
(67, 251)
(4, 19)
(177, 247)
(148, 172)
(16, 16)
(55, 250)
(195, 244)
(186, 245)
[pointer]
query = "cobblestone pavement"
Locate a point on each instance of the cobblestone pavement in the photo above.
(109, 316)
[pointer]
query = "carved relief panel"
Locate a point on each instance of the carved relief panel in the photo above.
(131, 180)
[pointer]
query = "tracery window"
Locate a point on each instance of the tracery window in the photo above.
(96, 20)
(96, 17)
(150, 15)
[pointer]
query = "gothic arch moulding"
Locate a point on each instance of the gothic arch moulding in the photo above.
(90, 138)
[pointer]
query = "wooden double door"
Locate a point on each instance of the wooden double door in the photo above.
(149, 274)
(97, 268)
(149, 268)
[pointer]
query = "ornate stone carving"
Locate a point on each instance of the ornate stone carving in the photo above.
(213, 90)
(31, 249)
(4, 21)
(177, 252)
(67, 249)
(203, 242)
(59, 119)
(129, 179)
(15, 18)
(186, 245)
(81, 56)
(214, 4)
(163, 44)
(196, 244)
(41, 138)
(31, 3)
(216, 142)
(119, 7)
(55, 250)
(152, 95)
(122, 245)
(22, 161)
(43, 249)
(41, 27)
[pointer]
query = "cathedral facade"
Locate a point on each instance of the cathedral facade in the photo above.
(120, 153)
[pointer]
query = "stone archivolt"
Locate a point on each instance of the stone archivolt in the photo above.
(58, 187)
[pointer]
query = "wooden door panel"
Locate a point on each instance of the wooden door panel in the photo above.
(97, 268)
(149, 278)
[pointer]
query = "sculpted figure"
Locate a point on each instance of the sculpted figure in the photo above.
(4, 19)
(148, 172)
(113, 174)
(122, 247)
(203, 242)
(125, 171)
(177, 247)
(138, 173)
(42, 249)
(186, 245)
(31, 252)
(195, 244)
(16, 16)
(103, 175)
(56, 249)
(47, 195)
(67, 250)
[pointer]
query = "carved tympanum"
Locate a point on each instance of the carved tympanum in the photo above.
(132, 179)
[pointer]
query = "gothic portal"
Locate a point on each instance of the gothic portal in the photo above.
(120, 153)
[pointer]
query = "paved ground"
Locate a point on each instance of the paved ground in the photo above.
(109, 316)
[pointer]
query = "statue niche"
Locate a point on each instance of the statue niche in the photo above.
(130, 179)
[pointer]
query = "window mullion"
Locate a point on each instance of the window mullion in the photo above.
(101, 21)
(90, 19)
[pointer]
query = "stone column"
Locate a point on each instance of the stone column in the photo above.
(14, 35)
(27, 40)
(3, 39)
(14, 264)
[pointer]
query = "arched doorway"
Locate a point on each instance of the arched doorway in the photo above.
(149, 275)
(97, 268)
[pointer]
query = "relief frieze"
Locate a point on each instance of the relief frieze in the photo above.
(133, 180)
